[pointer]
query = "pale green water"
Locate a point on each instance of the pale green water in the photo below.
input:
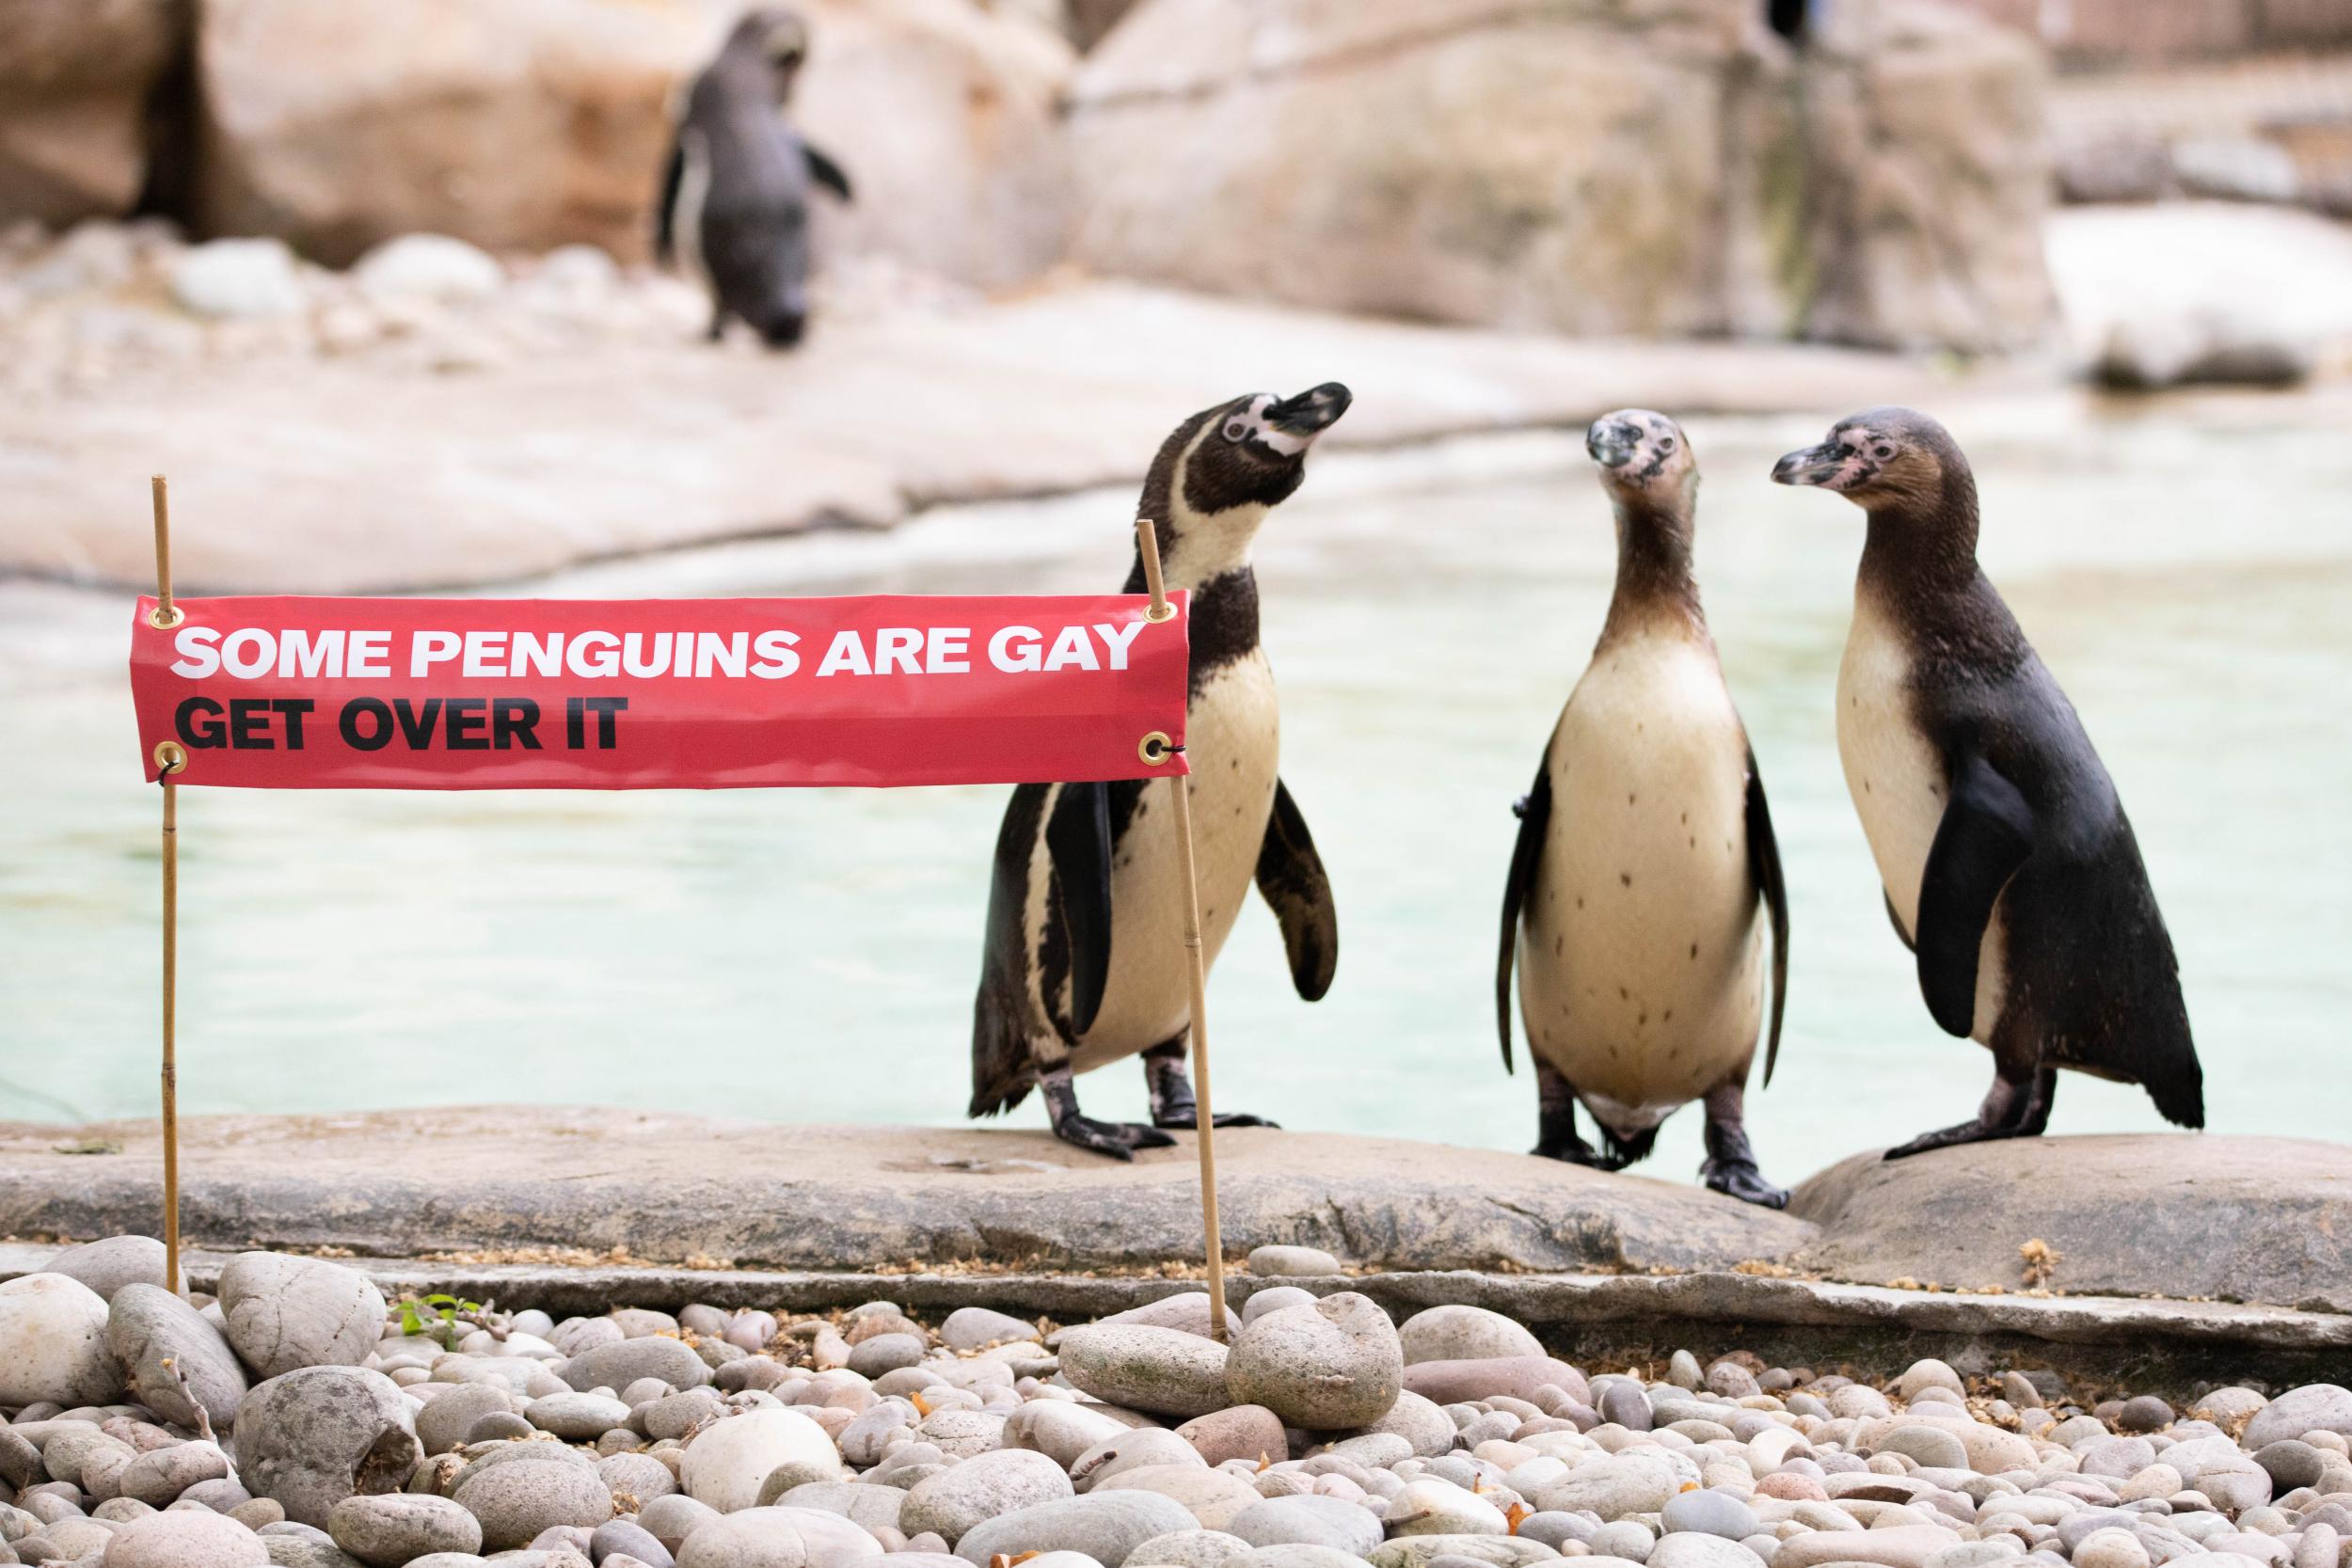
(809, 956)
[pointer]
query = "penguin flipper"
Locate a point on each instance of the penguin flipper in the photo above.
(665, 210)
(1985, 835)
(1078, 840)
(827, 173)
(1534, 814)
(1291, 881)
(1764, 864)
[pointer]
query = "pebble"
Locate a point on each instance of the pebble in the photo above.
(776, 1538)
(1250, 1432)
(1106, 1527)
(1167, 1371)
(386, 1531)
(108, 1265)
(147, 1326)
(286, 1313)
(1272, 1298)
(309, 1438)
(1709, 1512)
(966, 1494)
(515, 1501)
(2315, 1407)
(1324, 1367)
(1464, 1334)
(975, 1327)
(618, 1364)
(1295, 1261)
(1309, 1520)
(728, 1461)
(53, 1343)
(182, 1538)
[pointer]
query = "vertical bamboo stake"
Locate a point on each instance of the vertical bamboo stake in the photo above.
(170, 759)
(1213, 1239)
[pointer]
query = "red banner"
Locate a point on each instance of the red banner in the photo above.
(325, 693)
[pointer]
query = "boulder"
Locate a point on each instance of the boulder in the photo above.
(1668, 170)
(284, 1313)
(338, 127)
(53, 1343)
(146, 1326)
(75, 81)
(308, 1439)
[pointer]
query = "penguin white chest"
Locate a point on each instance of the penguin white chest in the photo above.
(1641, 972)
(1896, 777)
(1232, 742)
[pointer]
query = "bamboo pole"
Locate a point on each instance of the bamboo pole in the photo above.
(170, 760)
(1212, 1237)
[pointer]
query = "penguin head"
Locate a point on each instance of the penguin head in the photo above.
(1219, 472)
(776, 43)
(1881, 457)
(1645, 457)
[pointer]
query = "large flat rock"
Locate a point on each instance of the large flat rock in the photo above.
(334, 476)
(2196, 1216)
(666, 1187)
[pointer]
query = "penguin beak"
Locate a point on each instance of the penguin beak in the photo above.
(1612, 442)
(1311, 412)
(1820, 465)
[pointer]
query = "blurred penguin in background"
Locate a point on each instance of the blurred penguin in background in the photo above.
(735, 191)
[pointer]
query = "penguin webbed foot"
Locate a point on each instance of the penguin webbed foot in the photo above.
(1730, 1167)
(1118, 1139)
(2011, 1109)
(1172, 1102)
(1188, 1119)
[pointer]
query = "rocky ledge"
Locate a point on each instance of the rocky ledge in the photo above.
(298, 1417)
(2241, 1219)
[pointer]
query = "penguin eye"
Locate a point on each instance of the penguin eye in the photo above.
(1236, 429)
(1666, 443)
(1884, 451)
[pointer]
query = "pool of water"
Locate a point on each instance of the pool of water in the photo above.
(2184, 567)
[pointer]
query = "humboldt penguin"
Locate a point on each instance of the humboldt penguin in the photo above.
(1083, 961)
(733, 205)
(2008, 864)
(1646, 879)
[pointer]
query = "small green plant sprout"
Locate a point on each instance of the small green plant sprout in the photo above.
(445, 1318)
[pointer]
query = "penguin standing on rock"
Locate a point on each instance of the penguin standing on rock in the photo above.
(2009, 867)
(735, 189)
(1083, 961)
(1645, 878)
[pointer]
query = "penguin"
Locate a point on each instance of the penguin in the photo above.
(734, 210)
(1645, 881)
(1084, 960)
(2007, 863)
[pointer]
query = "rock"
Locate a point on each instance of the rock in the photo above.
(2291, 1463)
(2144, 1412)
(1418, 1420)
(670, 1520)
(285, 1314)
(1212, 1498)
(982, 1487)
(1309, 1520)
(885, 1352)
(308, 1439)
(106, 1266)
(727, 1463)
(1518, 1376)
(1130, 1451)
(968, 180)
(1165, 1370)
(1188, 1548)
(1061, 1429)
(517, 1500)
(434, 267)
(2315, 1407)
(1106, 1527)
(619, 1364)
(386, 1531)
(446, 1418)
(2111, 1548)
(242, 279)
(1924, 1375)
(1431, 1506)
(874, 1507)
(577, 1417)
(53, 1343)
(185, 1538)
(1464, 1334)
(1242, 1431)
(776, 1538)
(1299, 1261)
(1272, 1298)
(1929, 1445)
(1294, 1556)
(1636, 1482)
(1328, 1367)
(147, 1325)
(2223, 1405)
(1187, 1311)
(622, 1536)
(76, 76)
(1623, 1401)
(975, 1327)
(1423, 1551)
(1709, 1512)
(1895, 1547)
(158, 1477)
(2235, 168)
(1699, 1549)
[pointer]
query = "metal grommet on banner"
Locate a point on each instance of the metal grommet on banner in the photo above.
(170, 756)
(1159, 612)
(1155, 749)
(166, 616)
